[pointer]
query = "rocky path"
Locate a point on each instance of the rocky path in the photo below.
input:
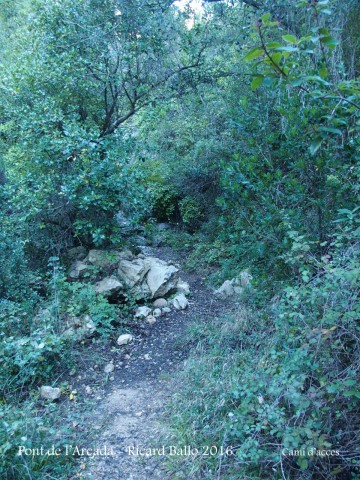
(126, 422)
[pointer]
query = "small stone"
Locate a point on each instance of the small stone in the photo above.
(151, 319)
(138, 414)
(89, 324)
(160, 303)
(157, 312)
(166, 310)
(245, 278)
(180, 302)
(50, 393)
(127, 357)
(109, 368)
(88, 390)
(142, 312)
(225, 291)
(147, 356)
(183, 287)
(124, 339)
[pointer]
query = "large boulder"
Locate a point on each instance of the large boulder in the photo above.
(161, 278)
(108, 286)
(150, 276)
(133, 271)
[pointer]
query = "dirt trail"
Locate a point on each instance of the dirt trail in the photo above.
(128, 416)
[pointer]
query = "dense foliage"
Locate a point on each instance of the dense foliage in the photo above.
(239, 125)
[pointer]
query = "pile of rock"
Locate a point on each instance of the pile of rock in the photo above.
(161, 307)
(147, 278)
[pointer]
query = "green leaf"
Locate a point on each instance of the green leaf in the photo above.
(331, 130)
(329, 41)
(290, 38)
(254, 53)
(303, 463)
(316, 78)
(271, 45)
(257, 82)
(352, 393)
(265, 17)
(323, 72)
(276, 58)
(296, 82)
(315, 145)
(287, 49)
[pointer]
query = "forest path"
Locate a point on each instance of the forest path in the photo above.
(128, 416)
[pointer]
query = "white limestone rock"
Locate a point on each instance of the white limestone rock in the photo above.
(77, 270)
(124, 339)
(108, 286)
(157, 312)
(133, 271)
(161, 278)
(160, 303)
(180, 302)
(151, 319)
(109, 368)
(50, 393)
(233, 287)
(183, 287)
(142, 312)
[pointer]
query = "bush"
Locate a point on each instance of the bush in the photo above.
(269, 383)
(164, 201)
(26, 425)
(191, 212)
(14, 271)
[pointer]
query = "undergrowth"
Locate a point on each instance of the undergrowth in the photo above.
(276, 387)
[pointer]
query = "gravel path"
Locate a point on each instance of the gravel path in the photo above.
(126, 421)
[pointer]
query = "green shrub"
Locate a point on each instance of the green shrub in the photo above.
(14, 271)
(271, 382)
(191, 212)
(164, 202)
(26, 425)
